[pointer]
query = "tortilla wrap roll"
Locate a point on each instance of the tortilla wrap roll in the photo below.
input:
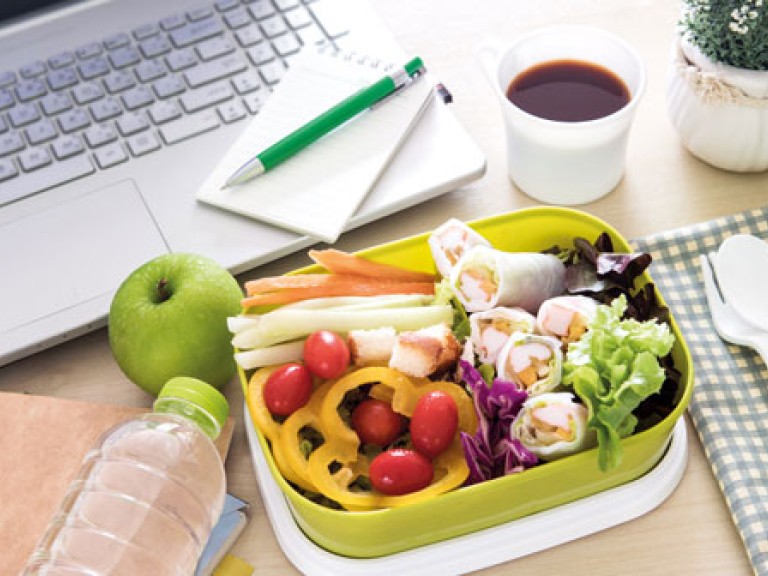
(553, 425)
(490, 330)
(566, 317)
(450, 241)
(532, 362)
(486, 278)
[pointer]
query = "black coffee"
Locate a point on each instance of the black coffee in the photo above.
(568, 91)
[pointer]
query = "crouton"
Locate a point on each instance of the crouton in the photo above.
(371, 347)
(426, 352)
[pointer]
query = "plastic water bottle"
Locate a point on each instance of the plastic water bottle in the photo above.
(148, 495)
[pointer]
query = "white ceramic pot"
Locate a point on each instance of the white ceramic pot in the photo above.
(719, 111)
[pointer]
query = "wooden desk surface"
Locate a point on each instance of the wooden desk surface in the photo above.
(664, 187)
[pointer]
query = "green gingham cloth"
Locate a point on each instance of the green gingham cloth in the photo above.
(729, 407)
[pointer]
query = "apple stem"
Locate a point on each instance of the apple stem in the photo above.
(163, 293)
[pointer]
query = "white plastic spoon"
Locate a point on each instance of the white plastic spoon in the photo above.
(742, 272)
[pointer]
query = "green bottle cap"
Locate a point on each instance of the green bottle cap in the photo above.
(200, 393)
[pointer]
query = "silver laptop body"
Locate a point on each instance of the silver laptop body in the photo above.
(113, 112)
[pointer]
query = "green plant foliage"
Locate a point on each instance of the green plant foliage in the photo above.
(727, 31)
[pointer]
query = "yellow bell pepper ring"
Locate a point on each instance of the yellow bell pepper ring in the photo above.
(341, 449)
(288, 446)
(271, 428)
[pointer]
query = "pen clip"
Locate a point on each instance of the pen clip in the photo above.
(402, 81)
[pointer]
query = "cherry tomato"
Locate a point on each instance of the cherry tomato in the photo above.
(376, 423)
(399, 471)
(326, 354)
(434, 423)
(287, 389)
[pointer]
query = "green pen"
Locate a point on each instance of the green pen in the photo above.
(326, 122)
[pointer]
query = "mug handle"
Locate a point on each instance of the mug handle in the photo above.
(488, 54)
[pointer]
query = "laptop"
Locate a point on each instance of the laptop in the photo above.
(114, 112)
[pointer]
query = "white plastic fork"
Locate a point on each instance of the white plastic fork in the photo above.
(729, 324)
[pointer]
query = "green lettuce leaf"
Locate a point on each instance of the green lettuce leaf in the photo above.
(613, 368)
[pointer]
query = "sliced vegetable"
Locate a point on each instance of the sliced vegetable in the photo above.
(286, 324)
(492, 451)
(613, 368)
(270, 356)
(361, 288)
(340, 262)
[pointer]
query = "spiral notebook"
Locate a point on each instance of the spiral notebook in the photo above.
(319, 189)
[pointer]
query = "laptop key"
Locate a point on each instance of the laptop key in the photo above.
(173, 21)
(117, 41)
(7, 169)
(52, 175)
(88, 50)
(145, 31)
(246, 82)
(207, 96)
(213, 48)
(214, 70)
(231, 111)
(249, 35)
(32, 69)
(181, 59)
(132, 122)
(169, 86)
(66, 146)
(10, 142)
(6, 98)
(125, 56)
(119, 81)
(7, 78)
(61, 59)
(105, 109)
(99, 135)
(73, 120)
(237, 18)
(23, 114)
(137, 97)
(34, 158)
(87, 92)
(189, 126)
(195, 31)
(155, 46)
(143, 143)
(40, 132)
(62, 78)
(149, 70)
(164, 111)
(30, 89)
(286, 45)
(110, 155)
(93, 68)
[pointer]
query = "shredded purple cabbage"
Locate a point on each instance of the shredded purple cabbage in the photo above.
(492, 451)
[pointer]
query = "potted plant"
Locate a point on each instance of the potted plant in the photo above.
(717, 93)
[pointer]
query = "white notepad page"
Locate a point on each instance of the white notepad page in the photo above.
(317, 191)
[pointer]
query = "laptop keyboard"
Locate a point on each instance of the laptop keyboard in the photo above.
(134, 93)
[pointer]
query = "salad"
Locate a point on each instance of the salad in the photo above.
(377, 386)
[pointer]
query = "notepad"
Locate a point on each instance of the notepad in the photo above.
(319, 189)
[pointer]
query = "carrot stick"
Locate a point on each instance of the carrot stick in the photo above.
(275, 283)
(369, 288)
(340, 262)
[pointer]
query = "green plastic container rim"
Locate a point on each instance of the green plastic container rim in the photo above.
(200, 393)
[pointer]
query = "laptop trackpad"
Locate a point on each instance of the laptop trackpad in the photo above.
(73, 252)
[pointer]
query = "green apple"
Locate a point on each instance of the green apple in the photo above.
(169, 318)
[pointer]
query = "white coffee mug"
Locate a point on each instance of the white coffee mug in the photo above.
(559, 162)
